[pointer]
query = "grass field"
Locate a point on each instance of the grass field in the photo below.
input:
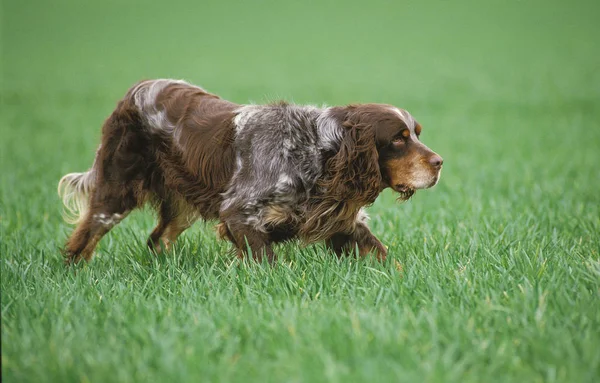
(500, 277)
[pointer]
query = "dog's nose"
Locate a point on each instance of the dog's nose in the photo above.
(436, 161)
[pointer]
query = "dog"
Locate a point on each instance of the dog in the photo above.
(268, 173)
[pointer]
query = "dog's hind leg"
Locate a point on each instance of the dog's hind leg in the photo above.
(174, 217)
(108, 207)
(123, 163)
(88, 233)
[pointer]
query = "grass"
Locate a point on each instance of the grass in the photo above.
(500, 265)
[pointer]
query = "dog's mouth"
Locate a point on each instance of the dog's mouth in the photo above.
(404, 190)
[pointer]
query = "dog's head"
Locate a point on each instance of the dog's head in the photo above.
(380, 148)
(406, 164)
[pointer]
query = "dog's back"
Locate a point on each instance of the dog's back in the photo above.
(167, 142)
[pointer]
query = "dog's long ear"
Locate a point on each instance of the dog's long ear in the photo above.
(352, 173)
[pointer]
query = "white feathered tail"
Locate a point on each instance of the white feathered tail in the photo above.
(74, 190)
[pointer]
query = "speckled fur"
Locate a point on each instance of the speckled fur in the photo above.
(268, 173)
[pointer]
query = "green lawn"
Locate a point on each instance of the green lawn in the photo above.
(500, 264)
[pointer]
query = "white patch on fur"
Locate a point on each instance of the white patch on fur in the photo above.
(255, 221)
(287, 144)
(284, 179)
(243, 115)
(407, 118)
(227, 202)
(362, 216)
(329, 129)
(282, 187)
(108, 221)
(145, 95)
(313, 108)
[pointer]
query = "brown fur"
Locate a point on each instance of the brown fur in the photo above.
(351, 181)
(173, 145)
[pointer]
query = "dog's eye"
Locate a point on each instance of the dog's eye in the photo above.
(401, 138)
(418, 130)
(398, 142)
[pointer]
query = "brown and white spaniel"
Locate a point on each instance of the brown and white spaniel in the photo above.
(267, 173)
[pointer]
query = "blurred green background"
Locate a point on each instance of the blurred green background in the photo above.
(501, 272)
(406, 51)
(480, 76)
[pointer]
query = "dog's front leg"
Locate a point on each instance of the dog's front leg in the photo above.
(361, 238)
(246, 239)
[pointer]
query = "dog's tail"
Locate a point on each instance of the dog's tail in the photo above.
(74, 190)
